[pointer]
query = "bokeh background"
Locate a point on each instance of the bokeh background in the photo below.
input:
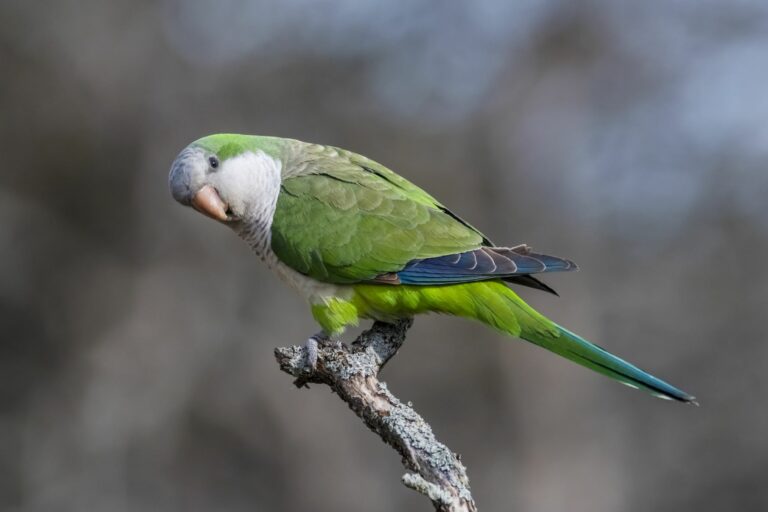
(136, 367)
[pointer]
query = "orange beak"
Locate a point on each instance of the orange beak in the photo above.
(208, 202)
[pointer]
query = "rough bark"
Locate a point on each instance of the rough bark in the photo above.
(352, 373)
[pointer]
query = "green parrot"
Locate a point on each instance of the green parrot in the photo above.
(357, 240)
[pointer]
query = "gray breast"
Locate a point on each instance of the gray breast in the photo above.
(258, 235)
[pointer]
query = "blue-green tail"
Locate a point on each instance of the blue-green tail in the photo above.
(496, 305)
(513, 315)
(581, 351)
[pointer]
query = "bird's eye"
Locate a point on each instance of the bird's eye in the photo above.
(214, 162)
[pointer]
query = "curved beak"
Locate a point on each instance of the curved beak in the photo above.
(208, 202)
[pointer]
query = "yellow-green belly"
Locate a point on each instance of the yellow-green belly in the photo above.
(487, 301)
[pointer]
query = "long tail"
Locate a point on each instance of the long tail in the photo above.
(500, 307)
(581, 351)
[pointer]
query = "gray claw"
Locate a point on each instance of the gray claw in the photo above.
(311, 346)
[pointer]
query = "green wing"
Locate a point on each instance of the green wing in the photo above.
(347, 219)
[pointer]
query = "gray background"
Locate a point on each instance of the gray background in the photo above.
(136, 368)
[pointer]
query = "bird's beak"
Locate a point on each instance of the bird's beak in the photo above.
(208, 202)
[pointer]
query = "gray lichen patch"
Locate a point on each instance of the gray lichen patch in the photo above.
(434, 492)
(347, 365)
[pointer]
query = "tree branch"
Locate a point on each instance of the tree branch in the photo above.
(352, 373)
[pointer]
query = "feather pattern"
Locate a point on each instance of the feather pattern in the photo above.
(481, 264)
(343, 218)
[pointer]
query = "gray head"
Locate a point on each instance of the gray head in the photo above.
(227, 177)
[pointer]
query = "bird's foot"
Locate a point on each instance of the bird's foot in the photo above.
(312, 346)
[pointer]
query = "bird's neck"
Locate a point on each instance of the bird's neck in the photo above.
(257, 233)
(257, 176)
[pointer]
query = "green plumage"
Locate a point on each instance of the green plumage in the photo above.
(390, 250)
(346, 219)
(496, 305)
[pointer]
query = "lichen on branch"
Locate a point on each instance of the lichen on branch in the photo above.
(352, 373)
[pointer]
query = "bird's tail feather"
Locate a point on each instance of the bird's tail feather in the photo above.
(587, 354)
(522, 321)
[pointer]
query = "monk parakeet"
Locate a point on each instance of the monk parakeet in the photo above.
(357, 240)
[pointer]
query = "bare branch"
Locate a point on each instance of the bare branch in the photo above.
(352, 373)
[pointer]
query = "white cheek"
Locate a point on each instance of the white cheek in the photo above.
(250, 183)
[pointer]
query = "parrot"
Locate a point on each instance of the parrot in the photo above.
(358, 241)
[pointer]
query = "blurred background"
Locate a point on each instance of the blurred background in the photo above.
(136, 366)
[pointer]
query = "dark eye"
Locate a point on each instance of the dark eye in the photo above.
(213, 161)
